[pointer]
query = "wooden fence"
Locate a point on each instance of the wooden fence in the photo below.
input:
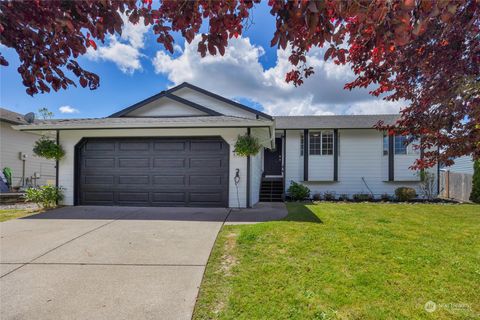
(455, 186)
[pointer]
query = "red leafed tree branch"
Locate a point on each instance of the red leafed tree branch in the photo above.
(424, 52)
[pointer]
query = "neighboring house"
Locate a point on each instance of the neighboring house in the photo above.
(462, 165)
(176, 148)
(31, 171)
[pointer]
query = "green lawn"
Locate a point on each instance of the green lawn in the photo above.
(347, 261)
(7, 214)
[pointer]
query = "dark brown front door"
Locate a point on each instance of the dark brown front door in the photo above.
(190, 172)
(273, 159)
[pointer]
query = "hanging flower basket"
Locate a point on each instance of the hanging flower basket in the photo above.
(48, 149)
(247, 145)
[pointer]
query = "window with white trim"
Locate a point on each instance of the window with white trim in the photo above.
(402, 146)
(321, 143)
(385, 145)
(327, 143)
(302, 145)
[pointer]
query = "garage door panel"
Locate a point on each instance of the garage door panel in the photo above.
(206, 146)
(205, 180)
(134, 146)
(134, 163)
(98, 196)
(99, 179)
(100, 146)
(169, 197)
(169, 146)
(133, 197)
(154, 172)
(205, 163)
(100, 163)
(169, 180)
(134, 180)
(168, 163)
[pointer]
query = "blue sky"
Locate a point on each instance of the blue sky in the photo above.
(134, 67)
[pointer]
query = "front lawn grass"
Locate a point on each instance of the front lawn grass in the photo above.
(8, 214)
(347, 261)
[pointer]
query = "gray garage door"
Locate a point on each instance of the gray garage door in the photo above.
(152, 172)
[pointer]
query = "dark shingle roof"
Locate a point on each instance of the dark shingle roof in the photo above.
(12, 117)
(131, 122)
(334, 122)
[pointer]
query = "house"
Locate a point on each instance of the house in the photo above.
(16, 153)
(176, 148)
(462, 165)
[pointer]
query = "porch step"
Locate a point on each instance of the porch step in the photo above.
(271, 190)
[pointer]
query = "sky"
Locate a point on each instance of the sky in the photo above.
(133, 66)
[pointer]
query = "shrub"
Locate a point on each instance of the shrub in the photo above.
(385, 197)
(48, 149)
(7, 172)
(362, 197)
(343, 197)
(298, 191)
(45, 196)
(329, 196)
(247, 145)
(317, 197)
(475, 195)
(427, 184)
(405, 193)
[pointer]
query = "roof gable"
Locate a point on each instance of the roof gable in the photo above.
(200, 102)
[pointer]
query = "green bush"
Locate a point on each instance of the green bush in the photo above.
(247, 145)
(362, 197)
(48, 149)
(385, 197)
(475, 195)
(329, 196)
(405, 194)
(343, 197)
(298, 191)
(45, 196)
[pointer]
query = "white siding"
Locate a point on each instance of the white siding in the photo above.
(69, 138)
(293, 161)
(462, 165)
(165, 107)
(256, 177)
(12, 142)
(360, 156)
(320, 168)
(402, 163)
(212, 103)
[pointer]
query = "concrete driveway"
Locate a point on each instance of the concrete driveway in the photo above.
(105, 262)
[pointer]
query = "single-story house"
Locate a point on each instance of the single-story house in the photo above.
(16, 152)
(462, 165)
(176, 148)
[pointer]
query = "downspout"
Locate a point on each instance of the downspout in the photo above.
(248, 174)
(57, 162)
(391, 158)
(284, 159)
(305, 155)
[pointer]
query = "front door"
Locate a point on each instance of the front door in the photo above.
(273, 159)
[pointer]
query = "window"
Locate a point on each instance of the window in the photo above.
(327, 143)
(302, 146)
(321, 143)
(402, 146)
(315, 143)
(385, 145)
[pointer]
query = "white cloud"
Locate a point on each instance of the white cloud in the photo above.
(239, 74)
(124, 51)
(68, 109)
